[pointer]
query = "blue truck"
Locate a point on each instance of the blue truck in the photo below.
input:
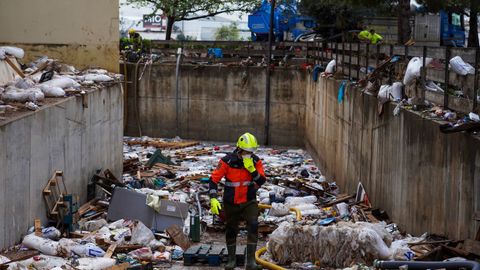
(289, 24)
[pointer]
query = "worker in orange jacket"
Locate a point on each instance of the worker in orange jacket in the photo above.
(244, 174)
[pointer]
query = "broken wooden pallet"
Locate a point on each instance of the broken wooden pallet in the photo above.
(164, 145)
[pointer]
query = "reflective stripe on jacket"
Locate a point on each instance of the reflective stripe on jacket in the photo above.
(239, 183)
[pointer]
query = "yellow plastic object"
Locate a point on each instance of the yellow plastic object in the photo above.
(292, 209)
(215, 206)
(264, 263)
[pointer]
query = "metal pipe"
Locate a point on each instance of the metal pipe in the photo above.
(269, 71)
(264, 263)
(447, 77)
(475, 83)
(417, 265)
(177, 91)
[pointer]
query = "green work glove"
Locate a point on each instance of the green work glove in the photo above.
(248, 164)
(215, 206)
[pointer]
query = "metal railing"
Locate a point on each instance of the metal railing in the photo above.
(354, 60)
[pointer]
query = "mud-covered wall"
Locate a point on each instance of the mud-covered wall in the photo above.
(427, 181)
(216, 103)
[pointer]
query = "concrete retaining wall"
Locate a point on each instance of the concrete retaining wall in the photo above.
(427, 181)
(60, 136)
(217, 103)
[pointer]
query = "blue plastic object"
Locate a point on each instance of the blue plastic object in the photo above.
(341, 91)
(452, 29)
(316, 72)
(326, 221)
(215, 52)
(286, 20)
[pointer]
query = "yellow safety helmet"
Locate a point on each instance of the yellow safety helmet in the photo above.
(131, 31)
(247, 142)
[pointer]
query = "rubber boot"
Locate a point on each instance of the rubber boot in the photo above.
(232, 257)
(251, 264)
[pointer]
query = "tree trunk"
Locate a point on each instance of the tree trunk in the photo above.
(473, 32)
(404, 30)
(170, 21)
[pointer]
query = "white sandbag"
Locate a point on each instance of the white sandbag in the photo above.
(24, 83)
(15, 51)
(41, 262)
(98, 71)
(293, 201)
(20, 95)
(4, 259)
(461, 67)
(88, 250)
(98, 78)
(45, 246)
(92, 225)
(95, 263)
(2, 54)
(52, 91)
(331, 66)
(413, 69)
(397, 88)
(279, 210)
(62, 82)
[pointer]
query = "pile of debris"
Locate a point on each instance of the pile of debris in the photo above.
(29, 85)
(158, 214)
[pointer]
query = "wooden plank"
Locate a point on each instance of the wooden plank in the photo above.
(110, 250)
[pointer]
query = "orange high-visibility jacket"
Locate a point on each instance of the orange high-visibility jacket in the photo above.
(239, 183)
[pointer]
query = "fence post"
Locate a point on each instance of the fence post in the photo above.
(447, 77)
(358, 60)
(336, 53)
(367, 56)
(343, 53)
(349, 61)
(390, 79)
(475, 83)
(424, 74)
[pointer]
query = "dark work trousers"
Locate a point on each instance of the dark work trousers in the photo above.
(234, 213)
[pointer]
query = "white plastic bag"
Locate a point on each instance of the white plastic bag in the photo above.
(141, 234)
(144, 253)
(45, 246)
(390, 92)
(331, 66)
(413, 69)
(431, 86)
(461, 67)
(15, 51)
(52, 91)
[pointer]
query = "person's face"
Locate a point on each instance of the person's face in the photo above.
(244, 154)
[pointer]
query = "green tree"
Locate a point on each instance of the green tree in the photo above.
(228, 33)
(186, 10)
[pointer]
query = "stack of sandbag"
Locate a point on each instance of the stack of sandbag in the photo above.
(334, 246)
